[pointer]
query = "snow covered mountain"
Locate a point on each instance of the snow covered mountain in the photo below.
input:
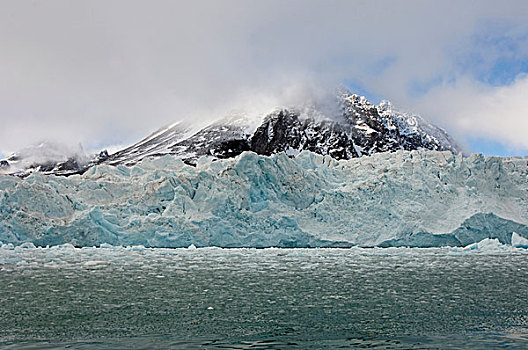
(46, 157)
(354, 128)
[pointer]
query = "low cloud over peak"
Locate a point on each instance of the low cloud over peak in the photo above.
(111, 72)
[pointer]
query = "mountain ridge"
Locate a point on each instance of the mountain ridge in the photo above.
(356, 128)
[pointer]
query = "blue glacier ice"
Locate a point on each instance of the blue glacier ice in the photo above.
(417, 198)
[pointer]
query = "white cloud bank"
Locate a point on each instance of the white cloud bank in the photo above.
(477, 110)
(110, 72)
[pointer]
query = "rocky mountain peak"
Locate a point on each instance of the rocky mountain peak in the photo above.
(354, 128)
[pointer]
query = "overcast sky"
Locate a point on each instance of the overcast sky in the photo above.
(110, 72)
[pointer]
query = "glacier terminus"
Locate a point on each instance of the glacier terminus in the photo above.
(419, 198)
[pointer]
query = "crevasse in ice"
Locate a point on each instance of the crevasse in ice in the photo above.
(417, 198)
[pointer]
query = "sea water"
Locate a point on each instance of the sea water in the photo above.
(137, 298)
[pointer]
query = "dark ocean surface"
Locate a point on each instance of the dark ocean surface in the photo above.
(211, 298)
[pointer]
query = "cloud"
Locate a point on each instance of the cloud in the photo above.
(479, 110)
(111, 72)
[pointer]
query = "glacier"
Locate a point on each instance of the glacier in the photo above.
(418, 198)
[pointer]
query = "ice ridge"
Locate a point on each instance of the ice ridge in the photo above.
(405, 198)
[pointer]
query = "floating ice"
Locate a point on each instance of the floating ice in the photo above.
(417, 199)
(486, 244)
(96, 263)
(518, 241)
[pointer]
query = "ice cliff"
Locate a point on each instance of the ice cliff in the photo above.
(404, 198)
